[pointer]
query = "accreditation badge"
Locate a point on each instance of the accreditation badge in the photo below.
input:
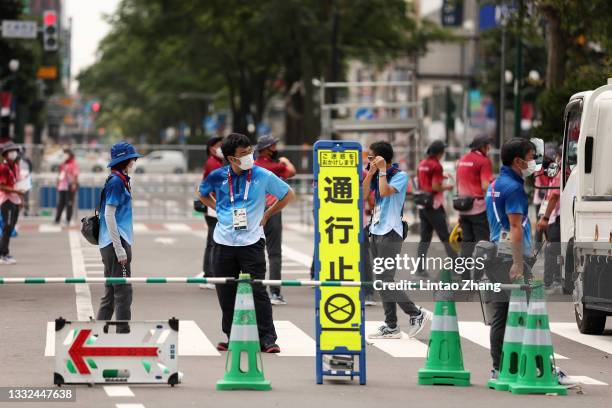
(239, 218)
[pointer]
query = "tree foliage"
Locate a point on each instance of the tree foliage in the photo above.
(240, 53)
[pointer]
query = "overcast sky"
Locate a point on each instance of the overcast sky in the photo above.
(88, 28)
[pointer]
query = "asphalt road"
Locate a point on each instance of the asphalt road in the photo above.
(26, 344)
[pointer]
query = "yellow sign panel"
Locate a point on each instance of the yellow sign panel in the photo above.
(339, 226)
(47, 72)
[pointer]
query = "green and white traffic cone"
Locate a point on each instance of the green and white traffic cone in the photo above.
(537, 373)
(244, 343)
(513, 341)
(444, 363)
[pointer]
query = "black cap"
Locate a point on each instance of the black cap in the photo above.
(9, 147)
(265, 141)
(436, 147)
(480, 141)
(213, 141)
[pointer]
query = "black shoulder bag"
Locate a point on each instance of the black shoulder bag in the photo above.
(90, 226)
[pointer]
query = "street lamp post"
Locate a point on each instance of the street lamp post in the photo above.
(5, 128)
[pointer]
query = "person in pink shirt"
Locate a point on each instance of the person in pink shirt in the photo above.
(67, 185)
(10, 199)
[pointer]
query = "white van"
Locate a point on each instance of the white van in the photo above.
(162, 161)
(586, 206)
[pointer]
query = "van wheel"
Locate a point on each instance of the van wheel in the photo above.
(588, 321)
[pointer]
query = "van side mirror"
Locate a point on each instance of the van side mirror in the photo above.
(539, 153)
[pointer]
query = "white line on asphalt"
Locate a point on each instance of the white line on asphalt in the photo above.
(177, 227)
(83, 294)
(50, 341)
(404, 347)
(294, 255)
(293, 341)
(129, 406)
(193, 341)
(118, 391)
(583, 379)
(139, 227)
(478, 332)
(49, 228)
(570, 331)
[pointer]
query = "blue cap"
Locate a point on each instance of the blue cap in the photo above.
(122, 151)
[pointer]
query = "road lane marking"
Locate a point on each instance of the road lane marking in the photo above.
(177, 227)
(129, 406)
(118, 391)
(297, 256)
(404, 347)
(583, 379)
(49, 228)
(478, 332)
(50, 341)
(570, 331)
(140, 227)
(83, 294)
(193, 342)
(293, 341)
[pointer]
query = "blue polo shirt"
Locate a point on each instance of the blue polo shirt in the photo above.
(391, 207)
(510, 198)
(119, 196)
(262, 182)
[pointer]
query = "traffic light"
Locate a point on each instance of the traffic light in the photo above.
(50, 31)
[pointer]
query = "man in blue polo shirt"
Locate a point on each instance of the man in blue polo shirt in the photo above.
(507, 213)
(389, 184)
(240, 198)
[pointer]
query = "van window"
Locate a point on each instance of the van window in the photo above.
(571, 134)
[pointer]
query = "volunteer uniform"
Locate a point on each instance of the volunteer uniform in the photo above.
(212, 164)
(69, 171)
(9, 202)
(552, 269)
(240, 240)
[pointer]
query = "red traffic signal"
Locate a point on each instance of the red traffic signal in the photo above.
(50, 17)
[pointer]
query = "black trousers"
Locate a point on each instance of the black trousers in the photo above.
(368, 275)
(498, 271)
(207, 265)
(474, 228)
(117, 298)
(10, 215)
(229, 262)
(434, 219)
(388, 246)
(66, 200)
(274, 240)
(552, 269)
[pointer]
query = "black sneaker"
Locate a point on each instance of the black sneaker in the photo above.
(222, 346)
(270, 348)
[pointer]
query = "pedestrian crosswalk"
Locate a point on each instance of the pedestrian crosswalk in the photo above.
(296, 342)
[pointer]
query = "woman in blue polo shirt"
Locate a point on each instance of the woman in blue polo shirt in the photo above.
(116, 234)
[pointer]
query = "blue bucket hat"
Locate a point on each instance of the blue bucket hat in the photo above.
(122, 151)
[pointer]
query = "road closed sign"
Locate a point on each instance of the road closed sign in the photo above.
(93, 352)
(338, 221)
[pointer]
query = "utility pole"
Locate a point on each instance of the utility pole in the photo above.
(502, 85)
(518, 73)
(335, 57)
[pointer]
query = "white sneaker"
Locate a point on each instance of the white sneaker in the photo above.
(566, 380)
(207, 286)
(7, 260)
(385, 332)
(277, 299)
(417, 323)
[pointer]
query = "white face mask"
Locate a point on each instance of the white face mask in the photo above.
(246, 162)
(218, 152)
(531, 168)
(12, 155)
(132, 166)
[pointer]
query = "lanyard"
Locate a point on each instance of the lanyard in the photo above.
(126, 183)
(246, 188)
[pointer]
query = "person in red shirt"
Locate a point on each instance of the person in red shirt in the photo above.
(11, 199)
(67, 185)
(213, 162)
(267, 157)
(474, 173)
(430, 176)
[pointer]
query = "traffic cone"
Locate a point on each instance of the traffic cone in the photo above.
(513, 341)
(244, 344)
(537, 373)
(444, 363)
